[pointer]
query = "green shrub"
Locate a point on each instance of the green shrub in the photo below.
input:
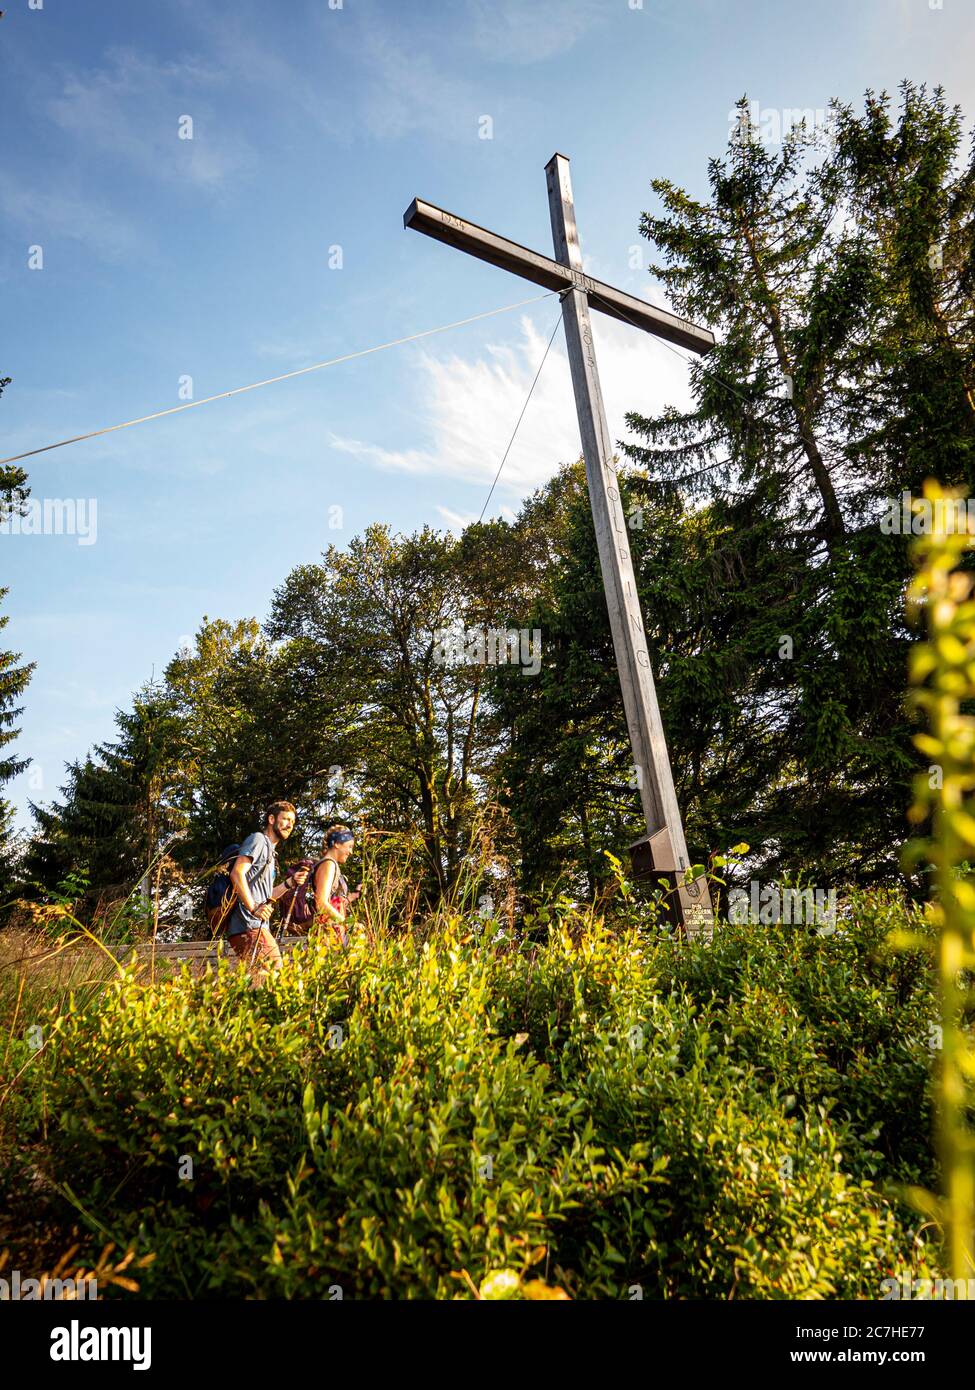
(608, 1114)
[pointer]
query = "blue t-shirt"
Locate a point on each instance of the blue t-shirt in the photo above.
(260, 880)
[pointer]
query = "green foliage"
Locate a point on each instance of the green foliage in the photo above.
(943, 672)
(407, 730)
(13, 480)
(14, 680)
(117, 806)
(839, 282)
(435, 1118)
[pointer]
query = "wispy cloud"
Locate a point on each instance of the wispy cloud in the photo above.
(131, 108)
(404, 90)
(396, 85)
(472, 404)
(402, 460)
(404, 78)
(530, 31)
(57, 210)
(245, 47)
(457, 521)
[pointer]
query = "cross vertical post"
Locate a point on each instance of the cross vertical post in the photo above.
(666, 848)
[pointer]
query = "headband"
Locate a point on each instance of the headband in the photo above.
(339, 837)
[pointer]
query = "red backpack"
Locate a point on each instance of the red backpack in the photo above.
(298, 904)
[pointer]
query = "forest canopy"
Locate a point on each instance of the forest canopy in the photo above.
(837, 274)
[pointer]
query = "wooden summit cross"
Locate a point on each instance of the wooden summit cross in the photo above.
(663, 852)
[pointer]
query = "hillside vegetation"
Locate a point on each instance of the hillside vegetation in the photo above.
(447, 1110)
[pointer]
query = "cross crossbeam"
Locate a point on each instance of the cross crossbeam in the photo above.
(425, 217)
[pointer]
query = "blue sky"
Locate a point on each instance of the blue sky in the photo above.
(314, 125)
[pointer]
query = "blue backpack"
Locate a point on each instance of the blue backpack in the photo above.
(221, 894)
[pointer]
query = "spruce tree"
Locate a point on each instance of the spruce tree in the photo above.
(13, 481)
(773, 597)
(118, 806)
(14, 679)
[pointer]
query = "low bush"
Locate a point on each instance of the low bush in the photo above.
(606, 1114)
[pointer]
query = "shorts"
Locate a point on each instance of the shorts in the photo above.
(258, 949)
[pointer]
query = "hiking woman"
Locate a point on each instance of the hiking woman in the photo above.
(332, 896)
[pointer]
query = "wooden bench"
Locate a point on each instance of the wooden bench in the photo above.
(199, 955)
(77, 964)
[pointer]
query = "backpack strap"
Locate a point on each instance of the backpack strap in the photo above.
(332, 883)
(265, 857)
(324, 860)
(219, 917)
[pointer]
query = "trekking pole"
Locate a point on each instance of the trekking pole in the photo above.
(282, 929)
(279, 934)
(257, 937)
